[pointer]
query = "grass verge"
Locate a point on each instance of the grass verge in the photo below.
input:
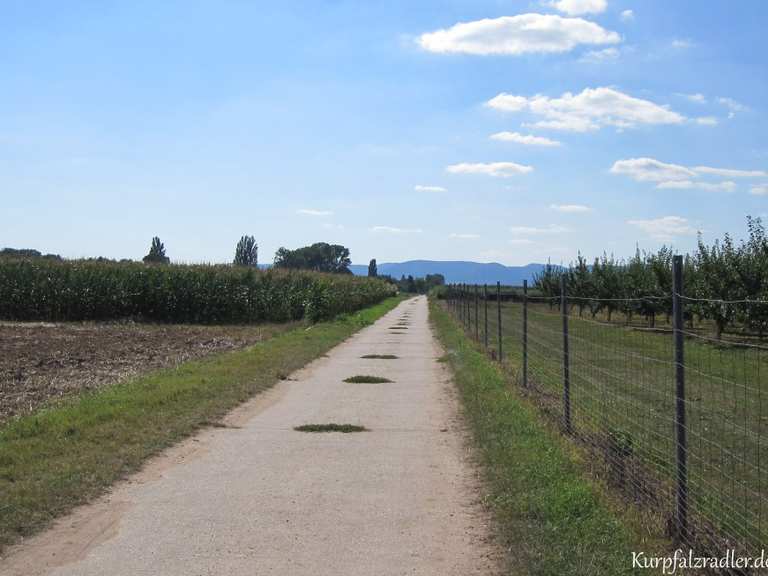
(66, 455)
(551, 519)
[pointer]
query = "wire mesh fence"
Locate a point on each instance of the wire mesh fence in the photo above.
(674, 418)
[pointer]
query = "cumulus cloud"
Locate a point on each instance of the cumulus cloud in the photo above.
(730, 172)
(682, 43)
(536, 231)
(395, 230)
(514, 35)
(589, 110)
(665, 228)
(312, 212)
(732, 105)
(627, 15)
(697, 98)
(421, 188)
(570, 208)
(578, 7)
(651, 170)
(675, 176)
(525, 139)
(707, 121)
(462, 236)
(759, 190)
(597, 56)
(497, 169)
(726, 186)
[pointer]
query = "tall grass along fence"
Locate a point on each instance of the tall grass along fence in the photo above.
(673, 417)
(46, 290)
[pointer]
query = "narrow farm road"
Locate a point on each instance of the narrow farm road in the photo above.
(259, 498)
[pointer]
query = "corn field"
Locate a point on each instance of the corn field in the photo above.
(44, 290)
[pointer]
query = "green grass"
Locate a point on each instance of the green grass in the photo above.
(379, 357)
(622, 382)
(343, 428)
(366, 379)
(66, 455)
(551, 518)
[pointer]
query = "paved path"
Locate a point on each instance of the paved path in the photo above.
(258, 498)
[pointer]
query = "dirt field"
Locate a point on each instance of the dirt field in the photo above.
(40, 361)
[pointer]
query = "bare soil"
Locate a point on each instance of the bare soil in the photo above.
(40, 362)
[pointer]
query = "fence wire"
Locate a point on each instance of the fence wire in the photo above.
(698, 476)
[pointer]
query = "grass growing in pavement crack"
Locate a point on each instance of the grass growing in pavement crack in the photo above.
(69, 454)
(343, 428)
(380, 357)
(365, 379)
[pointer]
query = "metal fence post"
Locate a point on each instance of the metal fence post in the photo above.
(477, 313)
(485, 306)
(680, 430)
(566, 358)
(525, 333)
(498, 308)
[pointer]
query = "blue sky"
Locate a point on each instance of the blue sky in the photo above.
(507, 131)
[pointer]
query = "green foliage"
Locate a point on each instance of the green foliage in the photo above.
(714, 277)
(373, 270)
(247, 252)
(156, 253)
(90, 290)
(320, 257)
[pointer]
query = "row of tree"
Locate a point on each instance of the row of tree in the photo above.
(319, 257)
(725, 282)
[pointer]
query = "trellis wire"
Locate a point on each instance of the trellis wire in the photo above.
(675, 416)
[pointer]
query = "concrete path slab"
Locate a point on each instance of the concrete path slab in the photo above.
(258, 498)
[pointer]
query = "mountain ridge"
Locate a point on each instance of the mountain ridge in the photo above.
(456, 271)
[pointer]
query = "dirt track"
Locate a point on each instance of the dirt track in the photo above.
(258, 498)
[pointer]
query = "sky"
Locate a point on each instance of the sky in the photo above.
(486, 130)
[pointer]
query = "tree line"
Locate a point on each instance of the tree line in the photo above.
(725, 283)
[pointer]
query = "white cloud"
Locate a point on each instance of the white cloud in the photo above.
(591, 109)
(665, 228)
(697, 98)
(420, 188)
(458, 236)
(676, 177)
(570, 208)
(732, 105)
(497, 169)
(726, 186)
(597, 56)
(520, 34)
(759, 190)
(534, 231)
(578, 7)
(707, 121)
(520, 241)
(311, 212)
(395, 230)
(651, 170)
(329, 226)
(627, 15)
(730, 172)
(525, 139)
(682, 43)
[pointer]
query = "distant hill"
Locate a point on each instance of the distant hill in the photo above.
(456, 271)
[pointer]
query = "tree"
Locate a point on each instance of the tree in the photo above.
(373, 270)
(156, 253)
(321, 257)
(246, 252)
(717, 282)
